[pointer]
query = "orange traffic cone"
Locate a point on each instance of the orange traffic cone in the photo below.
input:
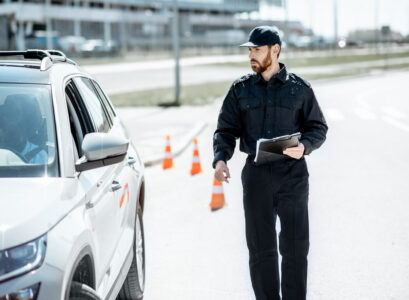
(168, 159)
(196, 167)
(217, 196)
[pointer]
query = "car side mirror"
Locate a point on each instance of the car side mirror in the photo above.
(100, 150)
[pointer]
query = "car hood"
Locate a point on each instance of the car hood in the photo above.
(29, 207)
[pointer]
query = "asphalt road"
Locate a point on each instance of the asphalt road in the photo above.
(358, 207)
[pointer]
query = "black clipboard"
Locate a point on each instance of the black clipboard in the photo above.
(269, 150)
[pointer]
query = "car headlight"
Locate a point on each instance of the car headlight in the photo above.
(22, 259)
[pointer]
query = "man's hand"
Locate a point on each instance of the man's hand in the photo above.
(295, 152)
(221, 172)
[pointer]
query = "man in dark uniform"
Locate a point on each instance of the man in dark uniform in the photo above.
(270, 103)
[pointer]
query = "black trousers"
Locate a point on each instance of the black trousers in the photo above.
(279, 188)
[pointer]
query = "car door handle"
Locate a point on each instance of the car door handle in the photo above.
(131, 161)
(115, 186)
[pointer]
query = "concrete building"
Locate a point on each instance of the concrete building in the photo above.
(129, 23)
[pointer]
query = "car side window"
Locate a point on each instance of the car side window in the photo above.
(105, 100)
(80, 122)
(93, 104)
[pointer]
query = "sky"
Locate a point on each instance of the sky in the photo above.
(352, 14)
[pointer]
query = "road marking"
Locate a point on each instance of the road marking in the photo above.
(364, 113)
(394, 112)
(333, 114)
(396, 123)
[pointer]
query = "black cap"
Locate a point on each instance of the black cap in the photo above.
(261, 36)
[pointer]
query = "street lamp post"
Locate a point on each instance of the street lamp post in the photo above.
(176, 50)
(335, 23)
(286, 34)
(49, 39)
(376, 35)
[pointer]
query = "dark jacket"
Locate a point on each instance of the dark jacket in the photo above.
(254, 109)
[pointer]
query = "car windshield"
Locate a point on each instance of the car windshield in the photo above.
(27, 131)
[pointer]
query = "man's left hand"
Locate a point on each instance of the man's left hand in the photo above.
(295, 152)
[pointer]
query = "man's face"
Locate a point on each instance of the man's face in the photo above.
(260, 58)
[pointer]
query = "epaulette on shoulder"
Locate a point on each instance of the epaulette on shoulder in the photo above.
(242, 79)
(298, 79)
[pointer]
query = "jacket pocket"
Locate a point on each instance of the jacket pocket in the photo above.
(252, 114)
(247, 104)
(285, 115)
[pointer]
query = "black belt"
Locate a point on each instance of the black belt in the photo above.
(250, 159)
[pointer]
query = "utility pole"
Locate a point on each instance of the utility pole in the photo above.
(286, 34)
(48, 25)
(77, 22)
(335, 23)
(376, 35)
(107, 24)
(176, 50)
(123, 32)
(311, 13)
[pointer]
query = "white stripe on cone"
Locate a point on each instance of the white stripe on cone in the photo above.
(218, 189)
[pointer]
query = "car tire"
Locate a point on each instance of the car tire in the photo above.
(134, 284)
(80, 291)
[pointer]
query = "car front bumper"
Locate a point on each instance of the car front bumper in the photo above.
(49, 278)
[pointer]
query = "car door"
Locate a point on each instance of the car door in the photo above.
(100, 184)
(128, 175)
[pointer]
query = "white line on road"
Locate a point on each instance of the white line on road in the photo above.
(396, 123)
(333, 114)
(394, 112)
(364, 113)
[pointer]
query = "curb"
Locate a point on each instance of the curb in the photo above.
(196, 130)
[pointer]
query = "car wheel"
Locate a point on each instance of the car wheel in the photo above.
(80, 291)
(134, 284)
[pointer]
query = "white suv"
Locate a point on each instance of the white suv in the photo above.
(71, 186)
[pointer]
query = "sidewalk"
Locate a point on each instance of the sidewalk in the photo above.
(149, 126)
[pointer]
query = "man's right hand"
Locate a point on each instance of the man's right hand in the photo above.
(221, 172)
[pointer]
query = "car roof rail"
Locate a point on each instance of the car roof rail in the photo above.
(60, 56)
(47, 57)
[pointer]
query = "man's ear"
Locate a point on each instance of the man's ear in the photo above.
(276, 49)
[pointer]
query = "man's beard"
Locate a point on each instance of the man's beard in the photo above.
(260, 68)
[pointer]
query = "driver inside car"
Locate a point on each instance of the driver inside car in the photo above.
(16, 126)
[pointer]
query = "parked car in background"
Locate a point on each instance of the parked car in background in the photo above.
(72, 44)
(99, 48)
(71, 185)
